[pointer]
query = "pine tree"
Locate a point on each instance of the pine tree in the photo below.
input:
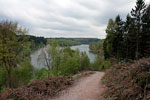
(129, 38)
(118, 38)
(108, 49)
(146, 34)
(113, 44)
(137, 14)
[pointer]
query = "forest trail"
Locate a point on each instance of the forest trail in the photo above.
(86, 88)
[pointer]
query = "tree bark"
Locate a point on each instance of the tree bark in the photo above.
(137, 47)
(9, 79)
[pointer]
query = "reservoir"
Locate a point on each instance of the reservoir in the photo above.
(83, 48)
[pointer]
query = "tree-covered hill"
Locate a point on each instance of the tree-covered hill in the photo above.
(79, 40)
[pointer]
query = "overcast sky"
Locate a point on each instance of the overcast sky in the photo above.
(65, 18)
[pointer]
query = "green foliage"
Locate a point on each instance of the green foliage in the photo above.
(129, 39)
(100, 64)
(97, 47)
(70, 66)
(145, 39)
(22, 74)
(73, 62)
(37, 42)
(63, 42)
(3, 77)
(103, 47)
(54, 52)
(70, 62)
(72, 41)
(84, 61)
(107, 64)
(137, 13)
(68, 42)
(11, 46)
(114, 39)
(41, 74)
(109, 39)
(64, 61)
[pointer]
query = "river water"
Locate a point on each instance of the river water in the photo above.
(83, 48)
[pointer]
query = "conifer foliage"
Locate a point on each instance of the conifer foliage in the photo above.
(129, 39)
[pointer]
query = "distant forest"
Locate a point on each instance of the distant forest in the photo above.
(82, 40)
(38, 42)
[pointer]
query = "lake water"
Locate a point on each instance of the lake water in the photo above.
(82, 48)
(34, 59)
(85, 48)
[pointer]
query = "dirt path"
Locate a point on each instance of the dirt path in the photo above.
(87, 88)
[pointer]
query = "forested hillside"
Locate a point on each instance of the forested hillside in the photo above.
(76, 41)
(63, 42)
(37, 42)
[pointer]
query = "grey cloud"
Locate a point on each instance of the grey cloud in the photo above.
(64, 18)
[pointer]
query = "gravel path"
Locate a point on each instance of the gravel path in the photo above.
(87, 88)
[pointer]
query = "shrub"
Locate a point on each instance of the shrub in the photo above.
(107, 64)
(85, 62)
(22, 74)
(70, 67)
(3, 78)
(100, 64)
(41, 74)
(129, 81)
(38, 89)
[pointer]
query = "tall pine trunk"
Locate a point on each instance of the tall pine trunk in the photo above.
(137, 46)
(137, 38)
